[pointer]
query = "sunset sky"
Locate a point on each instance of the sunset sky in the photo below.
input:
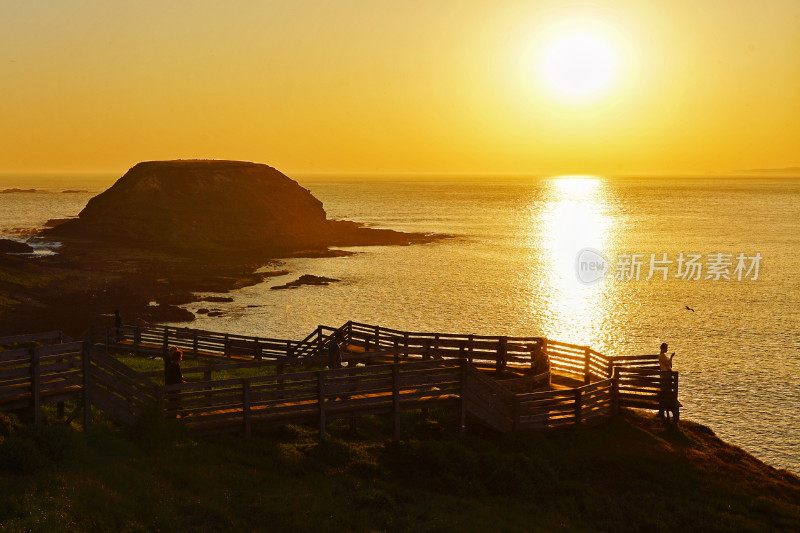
(664, 86)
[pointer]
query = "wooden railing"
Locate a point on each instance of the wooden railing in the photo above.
(115, 388)
(586, 405)
(30, 377)
(645, 388)
(427, 370)
(501, 352)
(512, 355)
(156, 340)
(239, 404)
(57, 373)
(487, 400)
(582, 362)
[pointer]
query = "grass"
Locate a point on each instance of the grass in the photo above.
(14, 281)
(632, 474)
(146, 364)
(19, 278)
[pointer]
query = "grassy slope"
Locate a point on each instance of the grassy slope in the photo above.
(630, 475)
(15, 282)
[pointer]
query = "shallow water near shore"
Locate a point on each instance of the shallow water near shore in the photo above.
(510, 269)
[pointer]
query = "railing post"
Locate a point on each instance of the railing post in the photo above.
(405, 341)
(615, 391)
(533, 356)
(578, 406)
(396, 350)
(396, 402)
(462, 404)
(471, 347)
(501, 355)
(676, 414)
(246, 406)
(87, 396)
(377, 337)
(321, 403)
(165, 343)
(227, 348)
(319, 340)
(36, 385)
(586, 377)
(259, 353)
(546, 356)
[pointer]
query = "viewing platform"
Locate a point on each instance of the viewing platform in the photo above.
(504, 383)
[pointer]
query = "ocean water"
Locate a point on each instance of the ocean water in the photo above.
(509, 268)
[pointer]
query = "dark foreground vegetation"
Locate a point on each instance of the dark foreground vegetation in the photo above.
(632, 474)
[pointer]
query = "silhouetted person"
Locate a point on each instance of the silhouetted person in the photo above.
(335, 351)
(117, 325)
(665, 363)
(173, 376)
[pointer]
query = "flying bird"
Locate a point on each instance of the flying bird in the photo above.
(689, 308)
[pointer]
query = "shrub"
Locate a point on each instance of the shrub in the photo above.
(57, 442)
(8, 423)
(19, 455)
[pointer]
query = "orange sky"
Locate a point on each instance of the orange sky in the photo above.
(414, 86)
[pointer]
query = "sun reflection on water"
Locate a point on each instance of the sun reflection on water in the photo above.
(574, 216)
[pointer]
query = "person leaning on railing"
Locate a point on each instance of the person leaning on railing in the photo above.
(666, 383)
(335, 351)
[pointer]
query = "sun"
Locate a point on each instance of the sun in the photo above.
(579, 65)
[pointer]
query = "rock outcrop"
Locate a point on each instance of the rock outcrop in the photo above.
(199, 206)
(9, 246)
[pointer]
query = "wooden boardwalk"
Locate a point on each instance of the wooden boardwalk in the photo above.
(505, 383)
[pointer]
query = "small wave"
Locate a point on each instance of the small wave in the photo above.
(42, 248)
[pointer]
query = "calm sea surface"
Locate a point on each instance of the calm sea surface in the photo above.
(510, 269)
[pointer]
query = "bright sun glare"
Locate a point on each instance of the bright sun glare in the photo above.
(579, 65)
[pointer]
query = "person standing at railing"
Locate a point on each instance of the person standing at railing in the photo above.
(173, 376)
(335, 351)
(665, 363)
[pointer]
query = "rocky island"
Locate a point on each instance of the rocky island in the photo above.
(168, 229)
(206, 207)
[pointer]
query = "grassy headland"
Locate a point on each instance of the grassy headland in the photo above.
(632, 474)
